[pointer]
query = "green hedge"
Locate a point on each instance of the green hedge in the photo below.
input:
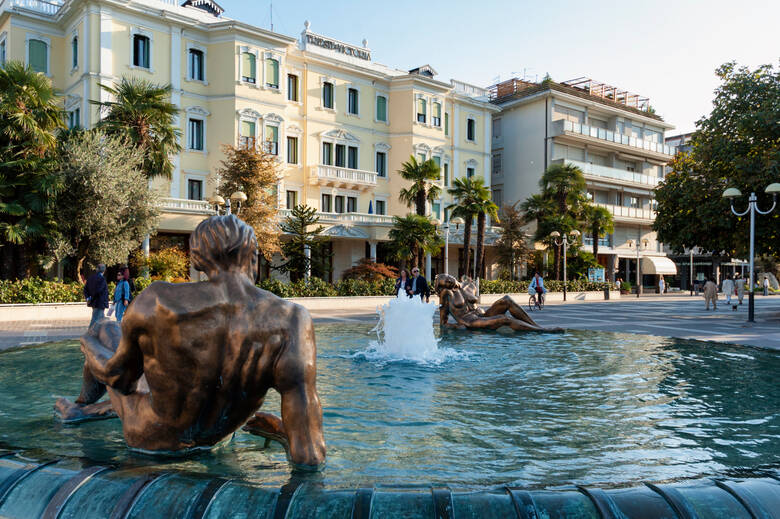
(319, 288)
(518, 287)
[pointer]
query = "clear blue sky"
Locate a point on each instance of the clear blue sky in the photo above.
(666, 51)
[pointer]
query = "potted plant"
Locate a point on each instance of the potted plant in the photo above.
(625, 287)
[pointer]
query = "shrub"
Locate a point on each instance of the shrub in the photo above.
(357, 287)
(37, 290)
(165, 264)
(367, 270)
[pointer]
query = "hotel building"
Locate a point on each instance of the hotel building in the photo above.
(612, 135)
(340, 123)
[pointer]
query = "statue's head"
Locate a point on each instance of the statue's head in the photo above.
(224, 243)
(445, 282)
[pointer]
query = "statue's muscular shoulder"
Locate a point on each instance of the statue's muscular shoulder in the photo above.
(161, 298)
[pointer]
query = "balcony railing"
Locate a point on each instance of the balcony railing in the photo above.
(563, 125)
(618, 174)
(335, 175)
(356, 218)
(183, 205)
(620, 211)
(603, 242)
(39, 6)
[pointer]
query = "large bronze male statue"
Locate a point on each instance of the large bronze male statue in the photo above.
(192, 362)
(460, 301)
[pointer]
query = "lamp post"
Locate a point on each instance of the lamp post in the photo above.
(565, 242)
(732, 193)
(457, 221)
(691, 280)
(639, 246)
(237, 197)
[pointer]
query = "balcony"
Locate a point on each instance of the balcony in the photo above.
(595, 170)
(630, 214)
(185, 206)
(39, 6)
(346, 178)
(348, 218)
(563, 127)
(603, 242)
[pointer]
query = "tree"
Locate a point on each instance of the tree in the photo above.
(413, 236)
(367, 270)
(485, 207)
(143, 113)
(466, 206)
(511, 247)
(565, 184)
(421, 175)
(736, 145)
(256, 173)
(304, 233)
(599, 221)
(106, 208)
(29, 118)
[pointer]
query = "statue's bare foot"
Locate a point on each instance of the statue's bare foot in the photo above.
(268, 426)
(71, 413)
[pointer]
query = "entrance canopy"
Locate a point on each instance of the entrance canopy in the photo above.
(658, 265)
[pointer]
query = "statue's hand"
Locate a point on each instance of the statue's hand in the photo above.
(268, 426)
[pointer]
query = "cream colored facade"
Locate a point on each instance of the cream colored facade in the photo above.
(343, 153)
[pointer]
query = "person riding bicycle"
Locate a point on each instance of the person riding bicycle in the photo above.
(536, 288)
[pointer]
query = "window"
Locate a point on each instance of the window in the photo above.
(380, 207)
(2, 52)
(352, 101)
(446, 174)
(195, 134)
(141, 46)
(38, 56)
(272, 139)
(630, 166)
(194, 189)
(496, 128)
(381, 164)
(436, 210)
(633, 202)
(497, 164)
(338, 206)
(271, 73)
(292, 150)
(421, 113)
(436, 115)
(74, 52)
(446, 214)
(292, 87)
(469, 172)
(327, 95)
(569, 114)
(341, 155)
(327, 153)
(197, 65)
(352, 157)
(292, 199)
(247, 138)
(421, 157)
(326, 204)
(381, 108)
(248, 67)
(74, 118)
(351, 204)
(446, 123)
(471, 130)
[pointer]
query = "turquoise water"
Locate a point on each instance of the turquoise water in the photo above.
(535, 410)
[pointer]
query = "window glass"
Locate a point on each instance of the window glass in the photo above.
(74, 52)
(327, 95)
(497, 163)
(272, 139)
(338, 206)
(327, 153)
(380, 207)
(292, 87)
(381, 108)
(247, 137)
(248, 70)
(436, 116)
(196, 65)
(421, 157)
(271, 73)
(351, 204)
(2, 52)
(292, 199)
(74, 118)
(471, 129)
(325, 205)
(292, 150)
(194, 189)
(352, 104)
(497, 197)
(39, 58)
(196, 134)
(141, 51)
(469, 172)
(352, 157)
(341, 152)
(436, 210)
(496, 128)
(421, 110)
(381, 164)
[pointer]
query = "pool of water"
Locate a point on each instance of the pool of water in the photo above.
(537, 410)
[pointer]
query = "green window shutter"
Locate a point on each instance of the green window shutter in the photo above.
(381, 108)
(446, 123)
(247, 129)
(272, 72)
(436, 110)
(38, 51)
(421, 106)
(272, 133)
(248, 65)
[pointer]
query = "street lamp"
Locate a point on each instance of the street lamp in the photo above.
(237, 198)
(565, 242)
(639, 246)
(732, 193)
(457, 221)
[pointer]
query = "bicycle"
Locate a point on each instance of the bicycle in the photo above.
(536, 301)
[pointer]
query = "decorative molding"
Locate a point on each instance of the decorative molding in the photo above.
(294, 130)
(197, 110)
(471, 163)
(71, 102)
(346, 231)
(382, 147)
(339, 135)
(249, 113)
(273, 118)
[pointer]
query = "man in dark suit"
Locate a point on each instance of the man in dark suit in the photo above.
(419, 286)
(96, 294)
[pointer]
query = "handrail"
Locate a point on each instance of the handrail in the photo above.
(614, 136)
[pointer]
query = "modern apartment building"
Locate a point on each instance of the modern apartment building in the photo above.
(340, 123)
(611, 134)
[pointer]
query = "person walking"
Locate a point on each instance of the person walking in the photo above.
(740, 282)
(728, 289)
(402, 284)
(121, 295)
(661, 285)
(420, 286)
(125, 270)
(96, 294)
(618, 283)
(766, 285)
(710, 295)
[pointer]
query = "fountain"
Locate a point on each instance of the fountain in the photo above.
(474, 424)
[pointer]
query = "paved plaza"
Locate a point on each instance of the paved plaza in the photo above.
(669, 316)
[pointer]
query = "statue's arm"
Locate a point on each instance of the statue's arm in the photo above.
(295, 375)
(113, 355)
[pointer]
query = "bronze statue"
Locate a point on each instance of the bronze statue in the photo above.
(193, 362)
(460, 301)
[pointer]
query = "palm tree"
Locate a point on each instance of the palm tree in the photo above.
(466, 206)
(599, 221)
(565, 184)
(142, 112)
(29, 118)
(414, 236)
(421, 175)
(485, 207)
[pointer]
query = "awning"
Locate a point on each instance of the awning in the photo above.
(658, 265)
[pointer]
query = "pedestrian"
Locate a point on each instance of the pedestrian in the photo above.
(661, 285)
(420, 286)
(401, 284)
(728, 289)
(766, 285)
(96, 294)
(618, 283)
(125, 270)
(121, 296)
(740, 288)
(710, 295)
(536, 288)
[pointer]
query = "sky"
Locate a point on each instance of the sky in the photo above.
(667, 51)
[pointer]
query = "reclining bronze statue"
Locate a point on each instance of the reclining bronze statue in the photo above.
(192, 362)
(460, 301)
